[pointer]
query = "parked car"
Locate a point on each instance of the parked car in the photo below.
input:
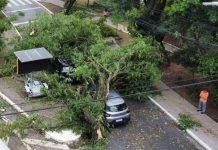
(116, 110)
(62, 66)
(34, 88)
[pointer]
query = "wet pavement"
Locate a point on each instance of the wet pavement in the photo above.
(149, 129)
(24, 10)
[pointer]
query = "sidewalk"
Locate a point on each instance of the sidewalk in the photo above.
(118, 26)
(173, 104)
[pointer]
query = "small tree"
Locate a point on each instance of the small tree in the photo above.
(3, 23)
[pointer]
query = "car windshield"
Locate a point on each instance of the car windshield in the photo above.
(116, 108)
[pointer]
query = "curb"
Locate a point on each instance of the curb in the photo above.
(194, 136)
(16, 107)
(49, 11)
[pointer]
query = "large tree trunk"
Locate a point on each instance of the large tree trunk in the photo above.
(136, 3)
(102, 90)
(68, 5)
(163, 50)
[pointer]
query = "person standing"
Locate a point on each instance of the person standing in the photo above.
(106, 13)
(203, 101)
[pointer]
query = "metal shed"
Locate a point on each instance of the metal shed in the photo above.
(30, 60)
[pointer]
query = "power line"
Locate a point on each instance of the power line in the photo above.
(127, 95)
(33, 110)
(172, 82)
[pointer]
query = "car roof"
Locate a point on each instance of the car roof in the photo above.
(63, 62)
(114, 99)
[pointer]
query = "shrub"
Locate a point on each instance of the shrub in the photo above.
(105, 30)
(186, 122)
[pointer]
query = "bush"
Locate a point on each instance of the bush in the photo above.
(7, 70)
(186, 122)
(105, 30)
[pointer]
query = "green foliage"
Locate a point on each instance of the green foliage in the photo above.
(186, 122)
(6, 70)
(3, 3)
(96, 62)
(2, 107)
(117, 9)
(180, 6)
(9, 67)
(105, 30)
(77, 104)
(99, 145)
(134, 14)
(143, 65)
(67, 32)
(208, 63)
(21, 125)
(4, 24)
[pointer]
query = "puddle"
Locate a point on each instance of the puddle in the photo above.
(125, 38)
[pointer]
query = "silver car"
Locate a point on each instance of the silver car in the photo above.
(116, 111)
(34, 87)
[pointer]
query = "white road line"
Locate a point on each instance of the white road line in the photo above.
(17, 24)
(201, 142)
(12, 1)
(22, 3)
(16, 107)
(27, 1)
(44, 7)
(9, 5)
(26, 9)
(46, 144)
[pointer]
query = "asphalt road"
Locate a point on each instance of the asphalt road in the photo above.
(24, 10)
(149, 129)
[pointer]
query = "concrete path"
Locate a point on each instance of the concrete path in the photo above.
(54, 2)
(173, 104)
(118, 26)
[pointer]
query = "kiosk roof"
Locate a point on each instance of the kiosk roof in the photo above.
(33, 55)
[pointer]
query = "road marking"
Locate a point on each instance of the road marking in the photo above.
(16, 107)
(46, 144)
(29, 2)
(9, 5)
(44, 7)
(200, 141)
(15, 3)
(21, 23)
(22, 3)
(26, 9)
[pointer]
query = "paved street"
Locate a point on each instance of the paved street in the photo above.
(150, 129)
(24, 10)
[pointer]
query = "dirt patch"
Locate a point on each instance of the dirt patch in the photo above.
(124, 38)
(52, 7)
(178, 75)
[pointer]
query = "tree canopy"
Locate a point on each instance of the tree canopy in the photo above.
(97, 62)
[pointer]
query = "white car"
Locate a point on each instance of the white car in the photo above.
(34, 88)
